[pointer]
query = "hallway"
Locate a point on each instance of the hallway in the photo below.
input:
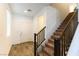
(20, 21)
(22, 49)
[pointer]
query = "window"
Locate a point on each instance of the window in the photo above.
(8, 15)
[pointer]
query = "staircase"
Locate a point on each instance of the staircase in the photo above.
(49, 49)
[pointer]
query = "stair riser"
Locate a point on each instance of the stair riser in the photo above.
(56, 36)
(62, 25)
(50, 41)
(58, 33)
(51, 47)
(48, 53)
(59, 30)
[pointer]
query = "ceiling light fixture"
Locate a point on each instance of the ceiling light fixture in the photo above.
(25, 11)
(29, 10)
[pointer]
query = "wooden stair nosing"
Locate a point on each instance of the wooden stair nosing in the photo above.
(59, 30)
(63, 24)
(57, 33)
(47, 51)
(51, 41)
(50, 45)
(56, 36)
(60, 27)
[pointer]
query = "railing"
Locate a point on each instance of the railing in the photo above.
(62, 44)
(38, 39)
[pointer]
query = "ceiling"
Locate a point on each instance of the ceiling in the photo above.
(19, 8)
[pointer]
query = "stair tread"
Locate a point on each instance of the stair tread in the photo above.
(42, 54)
(61, 27)
(48, 51)
(50, 44)
(59, 30)
(63, 24)
(52, 40)
(58, 33)
(56, 36)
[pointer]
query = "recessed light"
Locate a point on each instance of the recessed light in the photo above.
(25, 11)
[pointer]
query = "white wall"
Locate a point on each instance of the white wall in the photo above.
(21, 29)
(39, 21)
(53, 20)
(63, 8)
(55, 15)
(5, 43)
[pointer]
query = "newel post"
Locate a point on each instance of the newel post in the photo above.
(34, 44)
(57, 47)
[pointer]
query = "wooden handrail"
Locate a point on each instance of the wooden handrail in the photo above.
(35, 44)
(68, 23)
(67, 27)
(36, 35)
(41, 30)
(57, 42)
(69, 20)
